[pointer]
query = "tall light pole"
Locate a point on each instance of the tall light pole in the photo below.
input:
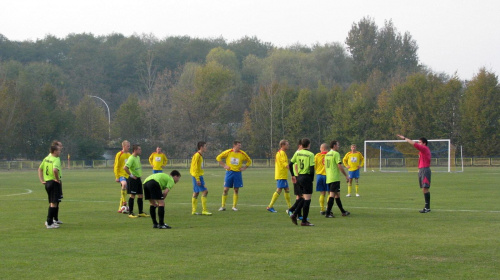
(109, 116)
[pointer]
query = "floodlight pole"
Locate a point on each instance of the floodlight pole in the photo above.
(109, 116)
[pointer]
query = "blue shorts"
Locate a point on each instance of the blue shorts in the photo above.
(121, 179)
(233, 179)
(157, 171)
(354, 174)
(200, 188)
(321, 183)
(282, 184)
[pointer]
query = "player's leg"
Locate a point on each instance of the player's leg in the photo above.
(424, 178)
(237, 183)
(349, 184)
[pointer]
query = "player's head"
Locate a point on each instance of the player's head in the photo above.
(57, 143)
(306, 143)
(423, 141)
(236, 145)
(136, 149)
(284, 145)
(334, 145)
(158, 150)
(201, 145)
(55, 149)
(300, 144)
(176, 175)
(323, 147)
(353, 147)
(125, 145)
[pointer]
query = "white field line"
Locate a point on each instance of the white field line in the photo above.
(28, 191)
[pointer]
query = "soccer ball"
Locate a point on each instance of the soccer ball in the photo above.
(124, 209)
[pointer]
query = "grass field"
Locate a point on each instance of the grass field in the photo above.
(384, 238)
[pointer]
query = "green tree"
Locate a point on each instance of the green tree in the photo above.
(129, 121)
(480, 115)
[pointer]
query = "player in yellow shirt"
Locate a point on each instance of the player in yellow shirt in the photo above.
(321, 186)
(120, 175)
(233, 164)
(281, 176)
(158, 160)
(353, 161)
(197, 172)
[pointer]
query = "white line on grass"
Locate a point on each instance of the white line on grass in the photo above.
(28, 191)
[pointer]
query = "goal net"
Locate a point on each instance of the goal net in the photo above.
(399, 156)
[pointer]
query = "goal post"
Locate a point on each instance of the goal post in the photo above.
(399, 156)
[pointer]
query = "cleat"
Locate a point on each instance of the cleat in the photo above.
(131, 215)
(329, 216)
(357, 195)
(306, 224)
(322, 213)
(346, 213)
(206, 213)
(164, 226)
(143, 215)
(57, 222)
(425, 210)
(234, 209)
(348, 195)
(222, 209)
(271, 210)
(155, 225)
(54, 225)
(290, 213)
(195, 213)
(294, 219)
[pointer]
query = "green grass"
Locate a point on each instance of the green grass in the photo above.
(384, 238)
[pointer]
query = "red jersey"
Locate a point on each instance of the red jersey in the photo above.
(424, 155)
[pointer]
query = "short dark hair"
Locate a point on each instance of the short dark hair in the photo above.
(305, 142)
(333, 143)
(135, 147)
(236, 142)
(53, 148)
(424, 140)
(175, 173)
(201, 144)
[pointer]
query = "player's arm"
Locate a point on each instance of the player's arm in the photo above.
(407, 139)
(341, 169)
(222, 156)
(165, 160)
(165, 192)
(361, 160)
(56, 174)
(128, 172)
(115, 167)
(345, 160)
(40, 175)
(248, 161)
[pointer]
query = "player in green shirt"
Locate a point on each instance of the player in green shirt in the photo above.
(333, 167)
(134, 186)
(305, 164)
(156, 188)
(49, 175)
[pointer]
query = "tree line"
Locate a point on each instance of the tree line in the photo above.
(175, 91)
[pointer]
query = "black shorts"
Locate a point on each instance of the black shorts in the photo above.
(134, 186)
(334, 187)
(296, 189)
(424, 177)
(306, 183)
(152, 190)
(54, 191)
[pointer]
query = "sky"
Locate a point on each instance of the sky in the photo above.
(454, 36)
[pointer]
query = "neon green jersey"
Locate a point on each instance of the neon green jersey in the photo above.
(134, 165)
(48, 165)
(164, 180)
(332, 161)
(304, 159)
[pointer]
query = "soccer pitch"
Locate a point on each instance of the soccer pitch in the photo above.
(384, 238)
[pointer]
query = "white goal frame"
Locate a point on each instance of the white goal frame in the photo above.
(401, 141)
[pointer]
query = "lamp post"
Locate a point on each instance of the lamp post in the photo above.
(109, 116)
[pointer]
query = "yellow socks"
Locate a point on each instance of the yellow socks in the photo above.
(357, 188)
(123, 198)
(204, 203)
(273, 199)
(194, 203)
(235, 200)
(224, 197)
(349, 188)
(322, 202)
(287, 198)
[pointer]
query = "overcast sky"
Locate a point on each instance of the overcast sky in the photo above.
(453, 36)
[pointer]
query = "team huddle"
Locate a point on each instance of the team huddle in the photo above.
(303, 166)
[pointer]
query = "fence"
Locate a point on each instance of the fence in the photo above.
(186, 163)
